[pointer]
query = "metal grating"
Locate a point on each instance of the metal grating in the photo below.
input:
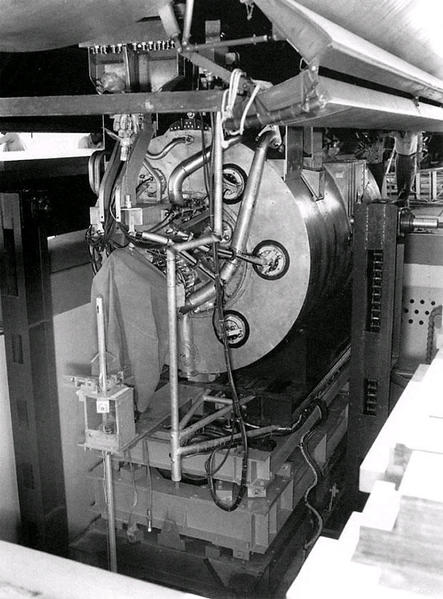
(371, 397)
(375, 277)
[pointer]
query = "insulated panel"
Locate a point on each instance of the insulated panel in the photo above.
(355, 107)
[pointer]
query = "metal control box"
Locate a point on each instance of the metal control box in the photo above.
(109, 419)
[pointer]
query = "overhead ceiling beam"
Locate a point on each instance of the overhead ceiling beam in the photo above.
(322, 42)
(346, 105)
(143, 103)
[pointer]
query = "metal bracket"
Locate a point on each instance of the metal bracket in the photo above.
(134, 218)
(170, 537)
(91, 382)
(314, 179)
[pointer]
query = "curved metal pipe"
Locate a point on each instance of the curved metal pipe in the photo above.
(168, 147)
(95, 163)
(152, 171)
(163, 152)
(187, 168)
(241, 231)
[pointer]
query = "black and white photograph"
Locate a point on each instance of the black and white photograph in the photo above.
(221, 315)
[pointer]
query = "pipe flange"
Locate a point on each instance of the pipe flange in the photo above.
(275, 257)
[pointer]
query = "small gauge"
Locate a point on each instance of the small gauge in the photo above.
(275, 260)
(234, 183)
(236, 327)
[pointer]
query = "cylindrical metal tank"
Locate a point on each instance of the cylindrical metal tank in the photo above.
(310, 237)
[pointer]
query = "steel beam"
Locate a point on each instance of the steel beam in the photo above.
(378, 265)
(353, 105)
(251, 528)
(27, 310)
(161, 102)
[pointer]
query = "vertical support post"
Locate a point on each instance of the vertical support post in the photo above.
(398, 301)
(313, 147)
(30, 356)
(294, 152)
(376, 273)
(128, 177)
(173, 364)
(433, 185)
(218, 176)
(187, 22)
(101, 344)
(418, 186)
(111, 511)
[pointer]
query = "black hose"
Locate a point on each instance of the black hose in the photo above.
(238, 417)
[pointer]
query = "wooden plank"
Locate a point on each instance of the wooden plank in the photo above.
(396, 543)
(416, 423)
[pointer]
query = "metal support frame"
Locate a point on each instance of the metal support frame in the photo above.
(262, 465)
(240, 234)
(377, 270)
(26, 301)
(252, 40)
(109, 484)
(127, 180)
(294, 147)
(192, 512)
(143, 103)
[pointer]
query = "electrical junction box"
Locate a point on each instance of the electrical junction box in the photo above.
(109, 418)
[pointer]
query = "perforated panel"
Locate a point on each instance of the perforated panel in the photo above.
(418, 303)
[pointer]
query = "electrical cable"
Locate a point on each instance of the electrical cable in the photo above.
(248, 105)
(237, 414)
(315, 471)
(225, 457)
(230, 95)
(162, 224)
(104, 241)
(235, 400)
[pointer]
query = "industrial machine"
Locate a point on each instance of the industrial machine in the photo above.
(223, 241)
(229, 306)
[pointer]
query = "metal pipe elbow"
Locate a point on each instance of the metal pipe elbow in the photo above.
(187, 168)
(182, 172)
